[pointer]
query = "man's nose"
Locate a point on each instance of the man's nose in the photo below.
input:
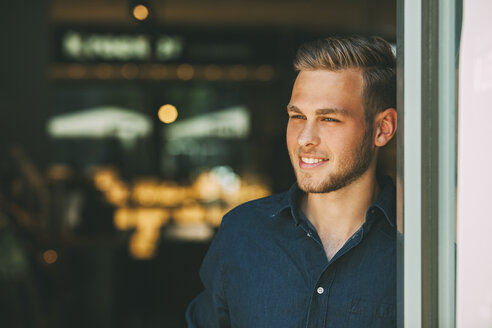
(309, 136)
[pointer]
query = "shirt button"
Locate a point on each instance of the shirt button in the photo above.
(320, 290)
(308, 234)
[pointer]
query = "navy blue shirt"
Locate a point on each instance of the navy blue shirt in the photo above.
(266, 267)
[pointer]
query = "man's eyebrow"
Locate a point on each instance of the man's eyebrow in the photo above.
(292, 108)
(322, 111)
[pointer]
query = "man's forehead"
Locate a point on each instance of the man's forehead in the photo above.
(324, 89)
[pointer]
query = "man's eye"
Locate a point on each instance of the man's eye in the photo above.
(297, 117)
(329, 119)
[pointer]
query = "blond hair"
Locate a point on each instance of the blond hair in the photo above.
(372, 55)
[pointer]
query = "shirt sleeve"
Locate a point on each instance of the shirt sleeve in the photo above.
(209, 309)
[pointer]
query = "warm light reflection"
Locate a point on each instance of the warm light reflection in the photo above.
(141, 218)
(105, 178)
(59, 172)
(157, 71)
(191, 232)
(118, 194)
(185, 72)
(212, 72)
(142, 247)
(76, 71)
(50, 256)
(141, 12)
(149, 204)
(239, 72)
(214, 215)
(168, 113)
(264, 73)
(207, 187)
(190, 214)
(129, 71)
(150, 193)
(147, 222)
(104, 71)
(125, 219)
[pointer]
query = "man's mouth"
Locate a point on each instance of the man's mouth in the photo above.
(310, 160)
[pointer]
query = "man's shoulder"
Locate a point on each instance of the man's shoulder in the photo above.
(265, 204)
(256, 211)
(251, 220)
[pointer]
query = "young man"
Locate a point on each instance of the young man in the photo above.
(322, 254)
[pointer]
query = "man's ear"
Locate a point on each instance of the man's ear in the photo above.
(385, 123)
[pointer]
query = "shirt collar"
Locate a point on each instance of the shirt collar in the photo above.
(386, 201)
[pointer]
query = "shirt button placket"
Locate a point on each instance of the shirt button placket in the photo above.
(318, 308)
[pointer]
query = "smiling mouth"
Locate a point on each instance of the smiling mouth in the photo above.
(310, 160)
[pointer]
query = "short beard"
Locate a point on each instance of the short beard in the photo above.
(350, 172)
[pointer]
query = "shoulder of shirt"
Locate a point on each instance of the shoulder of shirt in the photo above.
(258, 209)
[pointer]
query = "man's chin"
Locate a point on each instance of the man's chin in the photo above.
(322, 187)
(314, 188)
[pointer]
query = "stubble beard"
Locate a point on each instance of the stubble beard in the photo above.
(350, 169)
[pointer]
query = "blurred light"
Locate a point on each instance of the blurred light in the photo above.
(141, 246)
(168, 113)
(185, 72)
(215, 214)
(158, 72)
(249, 192)
(168, 47)
(190, 232)
(76, 71)
(229, 181)
(212, 72)
(117, 194)
(264, 73)
(148, 222)
(150, 193)
(207, 187)
(105, 178)
(125, 219)
(129, 71)
(59, 172)
(239, 72)
(140, 12)
(104, 71)
(93, 46)
(190, 214)
(100, 122)
(50, 256)
(232, 122)
(151, 219)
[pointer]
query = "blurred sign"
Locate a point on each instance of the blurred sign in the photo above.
(84, 44)
(228, 123)
(120, 47)
(99, 123)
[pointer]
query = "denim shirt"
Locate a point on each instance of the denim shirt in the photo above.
(266, 267)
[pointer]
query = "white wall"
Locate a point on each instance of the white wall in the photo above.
(474, 234)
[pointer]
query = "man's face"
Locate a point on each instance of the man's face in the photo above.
(328, 141)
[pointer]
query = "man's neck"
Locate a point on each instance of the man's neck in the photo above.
(338, 214)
